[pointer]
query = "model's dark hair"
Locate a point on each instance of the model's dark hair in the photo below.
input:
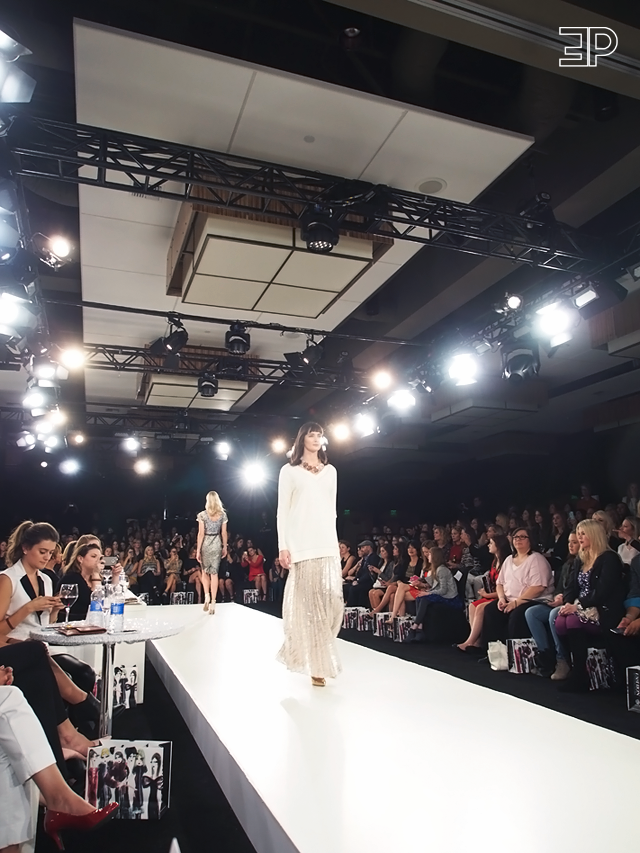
(503, 549)
(79, 551)
(298, 444)
(26, 535)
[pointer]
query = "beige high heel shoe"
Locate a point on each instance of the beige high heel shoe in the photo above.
(207, 601)
(318, 682)
(212, 607)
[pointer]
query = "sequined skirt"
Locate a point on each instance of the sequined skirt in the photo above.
(312, 611)
(211, 552)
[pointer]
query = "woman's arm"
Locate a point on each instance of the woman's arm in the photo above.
(199, 540)
(41, 602)
(223, 536)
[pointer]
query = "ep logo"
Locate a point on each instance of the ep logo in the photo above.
(592, 43)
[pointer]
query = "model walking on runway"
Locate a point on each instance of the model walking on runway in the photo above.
(211, 546)
(313, 605)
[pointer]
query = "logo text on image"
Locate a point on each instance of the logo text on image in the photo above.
(593, 42)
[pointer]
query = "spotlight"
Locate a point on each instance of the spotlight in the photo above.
(60, 247)
(307, 359)
(365, 424)
(52, 251)
(26, 440)
(402, 400)
(382, 379)
(52, 442)
(16, 87)
(78, 438)
(33, 400)
(72, 358)
(131, 444)
(254, 474)
(319, 231)
(553, 319)
(18, 316)
(143, 467)
(599, 296)
(176, 339)
(511, 302)
(42, 367)
(278, 445)
(463, 369)
(44, 464)
(70, 466)
(223, 448)
(237, 340)
(57, 417)
(341, 432)
(207, 385)
(520, 361)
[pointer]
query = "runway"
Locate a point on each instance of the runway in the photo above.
(390, 756)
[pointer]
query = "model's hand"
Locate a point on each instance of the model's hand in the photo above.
(198, 557)
(285, 559)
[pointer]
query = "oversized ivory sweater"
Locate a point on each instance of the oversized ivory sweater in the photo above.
(307, 513)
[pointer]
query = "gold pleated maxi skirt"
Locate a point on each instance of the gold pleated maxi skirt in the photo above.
(312, 611)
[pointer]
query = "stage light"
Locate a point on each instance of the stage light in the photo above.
(60, 247)
(553, 320)
(143, 467)
(382, 380)
(207, 385)
(254, 474)
(131, 444)
(52, 442)
(514, 301)
(222, 449)
(365, 424)
(401, 400)
(33, 400)
(57, 417)
(599, 296)
(177, 338)
(27, 440)
(319, 231)
(237, 340)
(463, 369)
(42, 367)
(278, 445)
(557, 341)
(341, 431)
(78, 438)
(72, 358)
(305, 360)
(520, 361)
(44, 464)
(17, 315)
(70, 466)
(16, 87)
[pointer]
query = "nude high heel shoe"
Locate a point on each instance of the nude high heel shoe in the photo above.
(207, 601)
(318, 682)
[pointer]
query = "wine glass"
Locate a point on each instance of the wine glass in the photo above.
(68, 596)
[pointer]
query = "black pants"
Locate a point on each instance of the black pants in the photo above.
(32, 673)
(497, 625)
(358, 596)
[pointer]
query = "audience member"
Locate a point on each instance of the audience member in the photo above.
(499, 549)
(358, 595)
(629, 533)
(254, 561)
(385, 575)
(438, 587)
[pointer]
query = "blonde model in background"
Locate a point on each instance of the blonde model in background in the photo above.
(211, 546)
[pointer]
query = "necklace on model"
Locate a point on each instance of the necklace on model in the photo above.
(315, 469)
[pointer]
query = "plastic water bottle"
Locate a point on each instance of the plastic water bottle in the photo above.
(95, 616)
(116, 610)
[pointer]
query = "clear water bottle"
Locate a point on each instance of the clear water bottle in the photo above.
(116, 610)
(95, 616)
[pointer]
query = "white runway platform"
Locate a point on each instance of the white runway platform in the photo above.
(386, 757)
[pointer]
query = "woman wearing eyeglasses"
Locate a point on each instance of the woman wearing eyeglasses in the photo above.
(525, 579)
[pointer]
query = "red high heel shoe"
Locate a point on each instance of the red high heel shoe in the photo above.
(55, 822)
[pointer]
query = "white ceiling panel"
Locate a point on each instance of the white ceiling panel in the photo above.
(111, 204)
(224, 292)
(119, 244)
(279, 299)
(110, 387)
(319, 272)
(157, 89)
(231, 259)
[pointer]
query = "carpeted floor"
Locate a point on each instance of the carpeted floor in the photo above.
(200, 816)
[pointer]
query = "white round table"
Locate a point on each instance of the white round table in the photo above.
(137, 631)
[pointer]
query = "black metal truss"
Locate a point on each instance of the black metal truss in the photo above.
(107, 158)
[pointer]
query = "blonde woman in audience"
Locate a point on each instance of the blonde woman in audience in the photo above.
(629, 532)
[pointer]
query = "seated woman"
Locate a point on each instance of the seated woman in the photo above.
(593, 601)
(255, 563)
(191, 573)
(172, 568)
(472, 563)
(347, 559)
(604, 518)
(277, 577)
(541, 621)
(385, 574)
(525, 579)
(130, 567)
(557, 553)
(412, 566)
(499, 549)
(399, 555)
(26, 602)
(629, 533)
(439, 588)
(149, 573)
(625, 644)
(441, 538)
(83, 570)
(457, 546)
(25, 754)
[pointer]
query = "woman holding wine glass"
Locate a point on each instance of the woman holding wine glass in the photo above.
(27, 601)
(84, 572)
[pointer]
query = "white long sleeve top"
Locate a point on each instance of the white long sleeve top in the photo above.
(307, 513)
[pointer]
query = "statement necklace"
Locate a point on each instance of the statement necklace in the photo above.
(315, 469)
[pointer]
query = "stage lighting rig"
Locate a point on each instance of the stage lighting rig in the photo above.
(402, 400)
(207, 385)
(52, 251)
(598, 296)
(307, 359)
(463, 369)
(319, 231)
(16, 87)
(520, 360)
(237, 340)
(178, 336)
